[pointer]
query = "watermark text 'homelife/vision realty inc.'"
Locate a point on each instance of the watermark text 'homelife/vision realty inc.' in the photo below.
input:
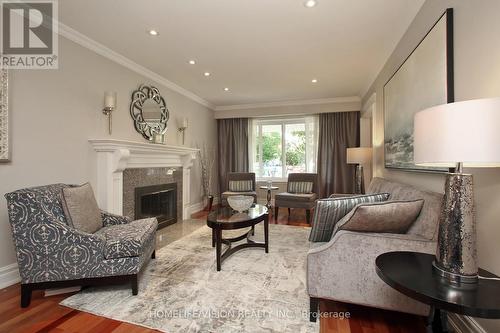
(29, 34)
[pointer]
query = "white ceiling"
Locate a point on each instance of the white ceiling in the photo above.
(263, 50)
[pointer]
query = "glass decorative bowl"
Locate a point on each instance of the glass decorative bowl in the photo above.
(240, 203)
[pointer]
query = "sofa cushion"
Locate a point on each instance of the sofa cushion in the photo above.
(427, 222)
(386, 217)
(128, 240)
(299, 197)
(240, 186)
(300, 187)
(80, 208)
(230, 193)
(329, 211)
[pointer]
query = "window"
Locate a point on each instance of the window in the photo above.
(282, 146)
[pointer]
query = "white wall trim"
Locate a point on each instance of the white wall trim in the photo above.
(367, 107)
(464, 324)
(9, 275)
(104, 51)
(349, 99)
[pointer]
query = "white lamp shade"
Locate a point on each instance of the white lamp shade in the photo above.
(467, 132)
(359, 155)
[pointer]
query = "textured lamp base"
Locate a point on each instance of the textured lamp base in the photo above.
(456, 257)
(360, 181)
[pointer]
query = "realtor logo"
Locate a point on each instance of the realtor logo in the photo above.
(29, 34)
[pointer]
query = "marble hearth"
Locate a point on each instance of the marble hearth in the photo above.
(113, 157)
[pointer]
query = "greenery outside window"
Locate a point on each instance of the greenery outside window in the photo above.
(280, 146)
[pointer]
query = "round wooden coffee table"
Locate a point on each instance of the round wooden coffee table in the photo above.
(225, 218)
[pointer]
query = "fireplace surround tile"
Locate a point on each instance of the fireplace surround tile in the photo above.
(133, 178)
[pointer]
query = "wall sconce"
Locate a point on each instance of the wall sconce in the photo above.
(183, 128)
(109, 106)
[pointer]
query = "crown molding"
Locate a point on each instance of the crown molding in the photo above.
(333, 100)
(106, 52)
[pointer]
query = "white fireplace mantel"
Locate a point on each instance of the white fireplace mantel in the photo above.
(114, 156)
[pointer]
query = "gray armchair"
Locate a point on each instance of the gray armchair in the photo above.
(302, 189)
(53, 254)
(240, 183)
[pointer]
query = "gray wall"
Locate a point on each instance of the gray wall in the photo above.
(54, 113)
(477, 75)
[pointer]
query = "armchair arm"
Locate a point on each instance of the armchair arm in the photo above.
(344, 269)
(109, 219)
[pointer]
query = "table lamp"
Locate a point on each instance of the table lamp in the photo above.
(359, 156)
(457, 135)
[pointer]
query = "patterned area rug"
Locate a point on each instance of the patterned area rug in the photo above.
(181, 291)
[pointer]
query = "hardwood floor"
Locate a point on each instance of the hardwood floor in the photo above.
(46, 315)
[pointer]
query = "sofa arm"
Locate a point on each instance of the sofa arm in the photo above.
(344, 269)
(53, 251)
(109, 219)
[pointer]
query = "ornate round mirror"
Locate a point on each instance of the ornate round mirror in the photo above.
(149, 112)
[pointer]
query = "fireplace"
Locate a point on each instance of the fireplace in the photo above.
(158, 201)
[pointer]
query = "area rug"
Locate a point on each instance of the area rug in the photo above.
(181, 291)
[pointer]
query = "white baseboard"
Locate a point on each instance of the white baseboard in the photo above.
(464, 324)
(9, 275)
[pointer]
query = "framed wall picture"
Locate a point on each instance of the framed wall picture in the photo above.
(423, 80)
(4, 116)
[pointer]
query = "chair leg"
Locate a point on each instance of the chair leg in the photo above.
(308, 216)
(153, 255)
(135, 284)
(289, 212)
(313, 309)
(276, 211)
(25, 296)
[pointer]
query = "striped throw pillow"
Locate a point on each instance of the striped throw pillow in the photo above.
(240, 186)
(329, 211)
(300, 187)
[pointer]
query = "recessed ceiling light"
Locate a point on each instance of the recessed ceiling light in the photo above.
(192, 62)
(206, 74)
(226, 89)
(310, 3)
(314, 80)
(153, 32)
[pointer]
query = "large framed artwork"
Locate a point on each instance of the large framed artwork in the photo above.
(4, 116)
(423, 80)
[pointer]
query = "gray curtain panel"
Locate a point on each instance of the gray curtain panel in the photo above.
(337, 132)
(233, 148)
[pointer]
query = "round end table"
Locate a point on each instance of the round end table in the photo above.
(411, 273)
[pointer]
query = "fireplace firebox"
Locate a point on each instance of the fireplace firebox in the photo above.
(158, 201)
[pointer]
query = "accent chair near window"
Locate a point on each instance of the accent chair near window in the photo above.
(240, 183)
(53, 251)
(302, 189)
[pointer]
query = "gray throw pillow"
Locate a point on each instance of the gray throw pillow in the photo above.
(329, 211)
(80, 208)
(394, 217)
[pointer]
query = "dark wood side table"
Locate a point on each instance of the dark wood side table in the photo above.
(411, 273)
(225, 218)
(269, 194)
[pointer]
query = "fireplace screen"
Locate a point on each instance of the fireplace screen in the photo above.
(158, 201)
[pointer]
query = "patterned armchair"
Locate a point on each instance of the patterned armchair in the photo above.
(240, 183)
(53, 254)
(301, 192)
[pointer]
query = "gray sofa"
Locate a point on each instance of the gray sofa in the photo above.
(343, 269)
(53, 254)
